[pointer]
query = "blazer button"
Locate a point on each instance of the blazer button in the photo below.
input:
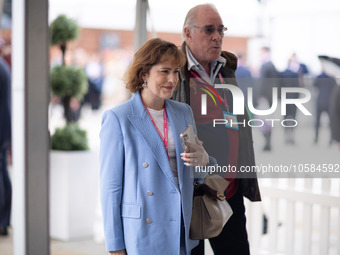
(149, 193)
(148, 220)
(145, 165)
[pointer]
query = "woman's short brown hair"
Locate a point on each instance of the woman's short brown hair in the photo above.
(151, 53)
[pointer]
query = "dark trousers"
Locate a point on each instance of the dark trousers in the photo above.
(319, 111)
(233, 239)
(5, 191)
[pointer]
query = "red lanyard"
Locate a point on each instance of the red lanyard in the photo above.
(211, 89)
(165, 128)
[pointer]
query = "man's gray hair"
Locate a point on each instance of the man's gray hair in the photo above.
(190, 19)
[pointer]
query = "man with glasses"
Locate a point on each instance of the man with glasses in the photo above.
(207, 65)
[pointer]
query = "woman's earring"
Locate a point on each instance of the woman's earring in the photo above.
(144, 85)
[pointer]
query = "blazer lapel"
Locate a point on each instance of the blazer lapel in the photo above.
(178, 124)
(142, 122)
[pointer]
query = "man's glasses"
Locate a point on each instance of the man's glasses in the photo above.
(209, 30)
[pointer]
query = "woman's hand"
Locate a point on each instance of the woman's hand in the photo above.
(120, 252)
(195, 155)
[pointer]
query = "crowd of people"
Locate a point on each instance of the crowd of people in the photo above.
(296, 75)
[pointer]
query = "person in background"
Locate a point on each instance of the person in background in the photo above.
(95, 73)
(146, 179)
(335, 114)
(268, 79)
(302, 68)
(290, 79)
(5, 140)
(325, 85)
(268, 75)
(207, 65)
(244, 78)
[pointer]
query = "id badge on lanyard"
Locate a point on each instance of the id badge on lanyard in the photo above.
(230, 120)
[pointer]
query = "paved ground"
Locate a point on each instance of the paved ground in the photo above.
(81, 247)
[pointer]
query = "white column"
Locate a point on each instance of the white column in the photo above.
(140, 33)
(30, 98)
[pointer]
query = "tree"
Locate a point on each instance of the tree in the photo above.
(63, 30)
(68, 83)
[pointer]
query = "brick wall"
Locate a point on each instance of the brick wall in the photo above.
(89, 40)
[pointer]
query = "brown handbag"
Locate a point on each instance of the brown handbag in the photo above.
(210, 209)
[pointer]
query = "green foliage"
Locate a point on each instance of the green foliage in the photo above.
(68, 81)
(63, 29)
(69, 138)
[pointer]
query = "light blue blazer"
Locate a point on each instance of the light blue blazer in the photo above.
(141, 201)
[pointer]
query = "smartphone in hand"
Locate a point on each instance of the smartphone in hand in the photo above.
(188, 135)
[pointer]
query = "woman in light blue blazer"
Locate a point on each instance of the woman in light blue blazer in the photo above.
(146, 179)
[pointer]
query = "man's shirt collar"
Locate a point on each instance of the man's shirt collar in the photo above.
(197, 67)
